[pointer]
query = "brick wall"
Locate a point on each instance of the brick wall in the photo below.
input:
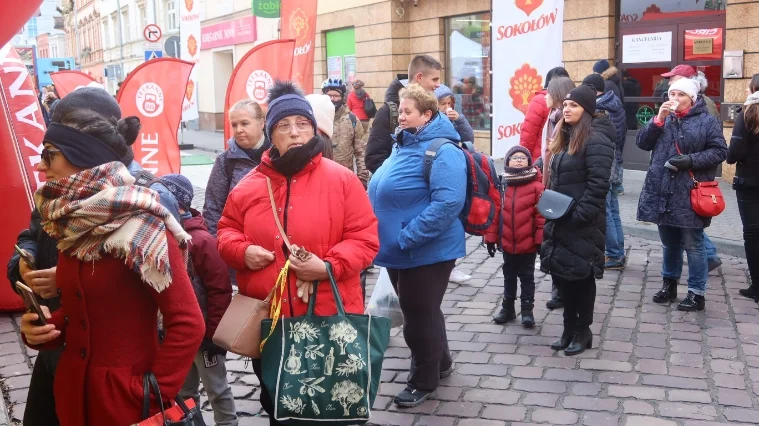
(742, 34)
(588, 35)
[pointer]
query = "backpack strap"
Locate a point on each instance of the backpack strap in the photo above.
(229, 168)
(353, 118)
(430, 154)
(145, 179)
(393, 107)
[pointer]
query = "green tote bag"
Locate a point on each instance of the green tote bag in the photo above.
(324, 369)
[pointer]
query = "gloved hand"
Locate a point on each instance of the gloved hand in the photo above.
(491, 249)
(682, 162)
(212, 348)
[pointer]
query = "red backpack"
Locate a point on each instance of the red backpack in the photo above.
(483, 194)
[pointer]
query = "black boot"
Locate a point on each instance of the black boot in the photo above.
(580, 341)
(555, 302)
(528, 319)
(668, 292)
(566, 339)
(752, 292)
(507, 312)
(692, 302)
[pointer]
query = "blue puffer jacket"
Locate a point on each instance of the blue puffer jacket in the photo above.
(665, 199)
(419, 223)
(610, 103)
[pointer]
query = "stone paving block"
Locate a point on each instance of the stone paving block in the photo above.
(651, 366)
(590, 404)
(648, 421)
(480, 422)
(567, 362)
(679, 395)
(495, 383)
(690, 372)
(690, 360)
(729, 381)
(649, 352)
(594, 364)
(555, 417)
(569, 375)
(541, 399)
(741, 415)
(482, 369)
(727, 367)
(637, 392)
(501, 348)
(687, 411)
(735, 398)
(522, 372)
(638, 407)
(435, 421)
(386, 418)
(544, 386)
(651, 339)
(600, 419)
(473, 357)
(586, 389)
(460, 409)
(509, 359)
(674, 382)
(489, 397)
(685, 346)
(504, 412)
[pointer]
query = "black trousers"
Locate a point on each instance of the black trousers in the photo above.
(748, 206)
(420, 292)
(520, 266)
(579, 300)
(40, 400)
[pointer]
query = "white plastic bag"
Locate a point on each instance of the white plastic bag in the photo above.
(384, 302)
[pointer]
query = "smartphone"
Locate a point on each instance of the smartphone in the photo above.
(670, 166)
(30, 301)
(25, 257)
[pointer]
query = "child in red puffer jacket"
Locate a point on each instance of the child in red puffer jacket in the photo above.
(521, 233)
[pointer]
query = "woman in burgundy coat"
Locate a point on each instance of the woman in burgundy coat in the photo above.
(120, 262)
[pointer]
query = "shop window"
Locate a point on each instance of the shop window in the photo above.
(648, 10)
(468, 61)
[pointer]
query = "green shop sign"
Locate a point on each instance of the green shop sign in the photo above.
(266, 8)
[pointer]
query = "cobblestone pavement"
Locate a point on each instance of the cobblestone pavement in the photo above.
(650, 365)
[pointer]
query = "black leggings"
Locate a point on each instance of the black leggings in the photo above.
(579, 302)
(40, 400)
(420, 291)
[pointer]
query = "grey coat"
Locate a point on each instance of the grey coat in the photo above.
(228, 170)
(665, 199)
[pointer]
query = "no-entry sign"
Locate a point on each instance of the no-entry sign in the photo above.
(152, 33)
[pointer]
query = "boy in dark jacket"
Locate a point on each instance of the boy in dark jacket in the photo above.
(521, 233)
(608, 103)
(213, 288)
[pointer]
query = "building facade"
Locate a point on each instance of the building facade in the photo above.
(43, 45)
(83, 35)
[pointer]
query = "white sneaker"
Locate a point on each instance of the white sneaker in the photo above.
(459, 277)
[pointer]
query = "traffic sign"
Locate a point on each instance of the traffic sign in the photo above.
(171, 46)
(153, 54)
(152, 33)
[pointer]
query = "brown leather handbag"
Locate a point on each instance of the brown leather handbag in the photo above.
(239, 330)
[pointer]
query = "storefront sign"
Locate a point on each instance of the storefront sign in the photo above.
(703, 44)
(229, 33)
(519, 68)
(650, 47)
(266, 8)
(189, 50)
(335, 67)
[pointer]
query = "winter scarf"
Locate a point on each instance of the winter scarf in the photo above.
(752, 99)
(295, 159)
(416, 130)
(100, 210)
(521, 176)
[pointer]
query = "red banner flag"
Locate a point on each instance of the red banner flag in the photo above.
(256, 72)
(67, 81)
(154, 92)
(22, 129)
(299, 23)
(15, 14)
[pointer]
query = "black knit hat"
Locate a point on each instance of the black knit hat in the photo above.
(91, 98)
(555, 72)
(585, 96)
(595, 81)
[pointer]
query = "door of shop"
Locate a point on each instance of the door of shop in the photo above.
(655, 45)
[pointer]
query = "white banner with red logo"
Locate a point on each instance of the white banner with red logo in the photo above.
(69, 80)
(527, 43)
(154, 92)
(189, 50)
(22, 130)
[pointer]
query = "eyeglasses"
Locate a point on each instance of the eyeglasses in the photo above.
(301, 125)
(336, 97)
(48, 155)
(518, 158)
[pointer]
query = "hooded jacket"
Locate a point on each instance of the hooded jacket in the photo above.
(609, 103)
(349, 144)
(356, 104)
(221, 183)
(208, 274)
(573, 247)
(380, 142)
(461, 124)
(531, 136)
(613, 82)
(323, 208)
(418, 222)
(665, 198)
(744, 151)
(521, 229)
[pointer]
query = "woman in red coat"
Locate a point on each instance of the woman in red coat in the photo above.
(119, 263)
(355, 103)
(322, 207)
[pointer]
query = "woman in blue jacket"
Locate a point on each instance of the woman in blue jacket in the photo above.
(420, 234)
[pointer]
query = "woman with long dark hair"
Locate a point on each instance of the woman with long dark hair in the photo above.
(573, 248)
(744, 151)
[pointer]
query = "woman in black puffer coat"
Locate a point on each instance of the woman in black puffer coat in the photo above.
(573, 248)
(665, 198)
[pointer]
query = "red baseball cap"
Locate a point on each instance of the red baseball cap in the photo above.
(681, 70)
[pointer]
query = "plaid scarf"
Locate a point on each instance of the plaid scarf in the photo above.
(100, 210)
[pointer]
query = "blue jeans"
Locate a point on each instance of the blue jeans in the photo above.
(615, 238)
(711, 256)
(673, 240)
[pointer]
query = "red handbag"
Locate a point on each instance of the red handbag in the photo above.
(705, 198)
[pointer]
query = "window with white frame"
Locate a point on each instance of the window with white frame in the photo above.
(126, 33)
(106, 34)
(171, 15)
